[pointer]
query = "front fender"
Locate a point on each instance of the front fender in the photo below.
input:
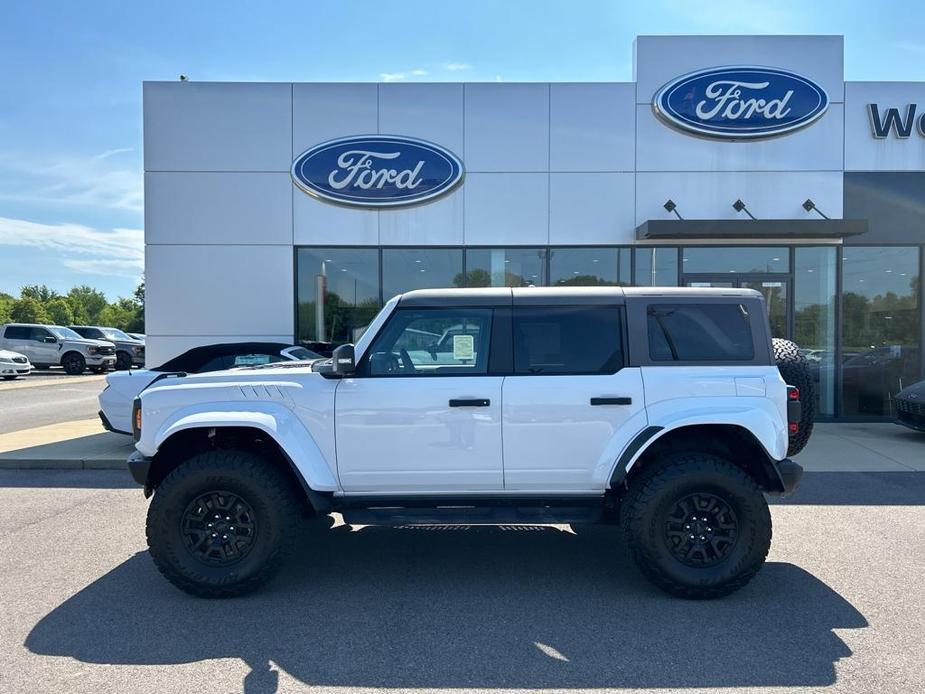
(275, 420)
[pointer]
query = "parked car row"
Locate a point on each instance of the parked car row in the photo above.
(24, 346)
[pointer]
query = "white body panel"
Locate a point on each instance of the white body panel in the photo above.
(400, 434)
(122, 387)
(10, 368)
(555, 439)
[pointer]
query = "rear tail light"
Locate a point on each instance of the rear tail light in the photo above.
(794, 427)
(793, 393)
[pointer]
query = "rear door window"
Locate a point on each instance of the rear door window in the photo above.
(16, 332)
(568, 340)
(699, 332)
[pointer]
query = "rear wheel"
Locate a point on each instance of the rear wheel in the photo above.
(222, 523)
(794, 369)
(697, 526)
(73, 363)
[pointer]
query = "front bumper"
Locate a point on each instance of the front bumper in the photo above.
(15, 369)
(105, 360)
(140, 466)
(790, 474)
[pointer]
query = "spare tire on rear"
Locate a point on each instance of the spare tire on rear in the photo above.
(795, 372)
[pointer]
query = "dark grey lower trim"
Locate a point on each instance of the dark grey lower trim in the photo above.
(641, 439)
(750, 228)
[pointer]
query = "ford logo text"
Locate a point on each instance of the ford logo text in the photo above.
(377, 171)
(740, 102)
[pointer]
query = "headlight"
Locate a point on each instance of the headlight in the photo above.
(92, 350)
(138, 350)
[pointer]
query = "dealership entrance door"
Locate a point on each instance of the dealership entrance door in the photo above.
(775, 288)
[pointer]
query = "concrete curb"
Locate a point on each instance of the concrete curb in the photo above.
(58, 464)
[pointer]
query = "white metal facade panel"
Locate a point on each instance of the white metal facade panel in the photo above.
(218, 208)
(437, 223)
(591, 208)
(817, 147)
(591, 127)
(507, 127)
(219, 290)
(660, 59)
(507, 208)
(317, 223)
(767, 195)
(217, 126)
(432, 112)
(864, 152)
(325, 111)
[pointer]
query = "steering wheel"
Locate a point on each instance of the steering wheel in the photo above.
(406, 360)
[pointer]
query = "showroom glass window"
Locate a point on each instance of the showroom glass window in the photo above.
(506, 267)
(338, 293)
(880, 327)
(589, 267)
(738, 259)
(814, 318)
(656, 267)
(404, 269)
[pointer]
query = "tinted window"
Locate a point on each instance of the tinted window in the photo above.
(579, 340)
(657, 267)
(38, 334)
(442, 342)
(699, 332)
(16, 332)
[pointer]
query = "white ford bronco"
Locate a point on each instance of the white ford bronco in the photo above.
(663, 410)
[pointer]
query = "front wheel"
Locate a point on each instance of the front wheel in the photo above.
(222, 523)
(73, 363)
(697, 526)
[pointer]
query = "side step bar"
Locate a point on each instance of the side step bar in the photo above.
(474, 515)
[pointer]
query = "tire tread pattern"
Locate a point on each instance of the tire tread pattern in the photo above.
(795, 372)
(261, 473)
(643, 493)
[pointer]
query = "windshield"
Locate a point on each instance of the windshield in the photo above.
(301, 354)
(114, 334)
(64, 333)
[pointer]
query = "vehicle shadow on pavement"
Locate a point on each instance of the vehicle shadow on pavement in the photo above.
(467, 607)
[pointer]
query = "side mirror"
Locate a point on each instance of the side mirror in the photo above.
(49, 340)
(342, 363)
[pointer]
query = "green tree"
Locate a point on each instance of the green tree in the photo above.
(119, 314)
(29, 310)
(59, 311)
(86, 304)
(39, 292)
(6, 305)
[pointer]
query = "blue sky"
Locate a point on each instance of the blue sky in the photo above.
(71, 194)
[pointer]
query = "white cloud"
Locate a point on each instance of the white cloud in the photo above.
(456, 67)
(92, 181)
(419, 72)
(498, 78)
(392, 76)
(85, 249)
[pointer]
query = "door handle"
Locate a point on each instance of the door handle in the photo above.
(470, 402)
(612, 401)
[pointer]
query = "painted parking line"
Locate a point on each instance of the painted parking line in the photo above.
(25, 382)
(50, 433)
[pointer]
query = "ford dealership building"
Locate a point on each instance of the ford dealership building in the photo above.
(288, 212)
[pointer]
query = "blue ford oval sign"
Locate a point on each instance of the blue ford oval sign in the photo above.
(377, 171)
(740, 102)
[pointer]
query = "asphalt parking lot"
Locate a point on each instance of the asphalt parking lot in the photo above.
(839, 607)
(48, 397)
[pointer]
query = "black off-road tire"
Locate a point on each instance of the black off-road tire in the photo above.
(74, 364)
(276, 517)
(795, 372)
(656, 493)
(123, 361)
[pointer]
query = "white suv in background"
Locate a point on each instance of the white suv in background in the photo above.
(53, 345)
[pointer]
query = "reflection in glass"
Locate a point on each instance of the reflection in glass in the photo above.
(338, 293)
(657, 267)
(505, 267)
(721, 259)
(814, 319)
(880, 327)
(588, 267)
(404, 269)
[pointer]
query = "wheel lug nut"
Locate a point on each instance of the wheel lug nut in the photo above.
(692, 537)
(702, 538)
(687, 527)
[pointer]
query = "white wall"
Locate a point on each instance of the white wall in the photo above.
(864, 152)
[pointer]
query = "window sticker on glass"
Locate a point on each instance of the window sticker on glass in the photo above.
(463, 347)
